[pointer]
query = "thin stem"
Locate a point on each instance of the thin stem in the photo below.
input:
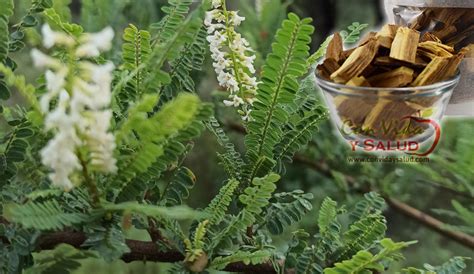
(92, 187)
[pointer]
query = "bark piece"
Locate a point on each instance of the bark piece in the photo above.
(328, 67)
(357, 62)
(385, 120)
(405, 45)
(433, 72)
(335, 48)
(367, 38)
(399, 77)
(428, 36)
(432, 49)
(386, 35)
(359, 81)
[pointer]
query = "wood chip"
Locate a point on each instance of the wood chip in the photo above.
(396, 78)
(433, 72)
(335, 48)
(384, 120)
(359, 81)
(357, 62)
(328, 67)
(432, 49)
(428, 36)
(405, 45)
(386, 35)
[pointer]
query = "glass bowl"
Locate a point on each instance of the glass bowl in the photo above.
(409, 114)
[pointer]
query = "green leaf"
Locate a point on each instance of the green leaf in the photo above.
(246, 257)
(46, 215)
(5, 12)
(175, 212)
(288, 209)
(277, 91)
(62, 259)
(361, 235)
(55, 20)
(219, 205)
(177, 190)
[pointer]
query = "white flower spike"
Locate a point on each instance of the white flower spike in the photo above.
(81, 117)
(232, 55)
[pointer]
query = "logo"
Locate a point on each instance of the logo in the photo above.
(407, 126)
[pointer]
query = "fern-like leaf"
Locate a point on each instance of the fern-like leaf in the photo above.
(246, 257)
(176, 13)
(455, 265)
(279, 85)
(288, 209)
(176, 213)
(5, 13)
(178, 188)
(361, 235)
(372, 203)
(366, 262)
(62, 259)
(255, 198)
(136, 50)
(218, 207)
(231, 158)
(44, 216)
(153, 133)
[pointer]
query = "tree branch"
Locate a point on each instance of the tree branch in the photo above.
(430, 222)
(143, 251)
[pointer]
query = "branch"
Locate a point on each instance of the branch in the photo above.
(430, 222)
(143, 251)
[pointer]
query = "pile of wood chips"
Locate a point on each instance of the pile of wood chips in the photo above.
(391, 58)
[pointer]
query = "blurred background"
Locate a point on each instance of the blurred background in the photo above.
(428, 187)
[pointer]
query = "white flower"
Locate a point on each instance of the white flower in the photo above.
(51, 38)
(217, 3)
(233, 57)
(94, 43)
(42, 60)
(81, 118)
(236, 101)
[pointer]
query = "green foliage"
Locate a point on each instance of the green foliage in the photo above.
(361, 235)
(108, 240)
(245, 257)
(42, 215)
(62, 259)
(455, 265)
(279, 85)
(218, 207)
(5, 13)
(175, 212)
(231, 159)
(191, 58)
(153, 133)
(366, 262)
(327, 214)
(29, 20)
(352, 34)
(254, 199)
(55, 20)
(372, 203)
(175, 15)
(136, 50)
(15, 146)
(287, 209)
(177, 190)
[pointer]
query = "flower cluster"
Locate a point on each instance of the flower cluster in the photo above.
(233, 57)
(76, 105)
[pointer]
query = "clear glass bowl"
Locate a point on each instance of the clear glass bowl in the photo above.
(387, 114)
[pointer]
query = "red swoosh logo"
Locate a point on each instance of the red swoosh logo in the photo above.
(437, 133)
